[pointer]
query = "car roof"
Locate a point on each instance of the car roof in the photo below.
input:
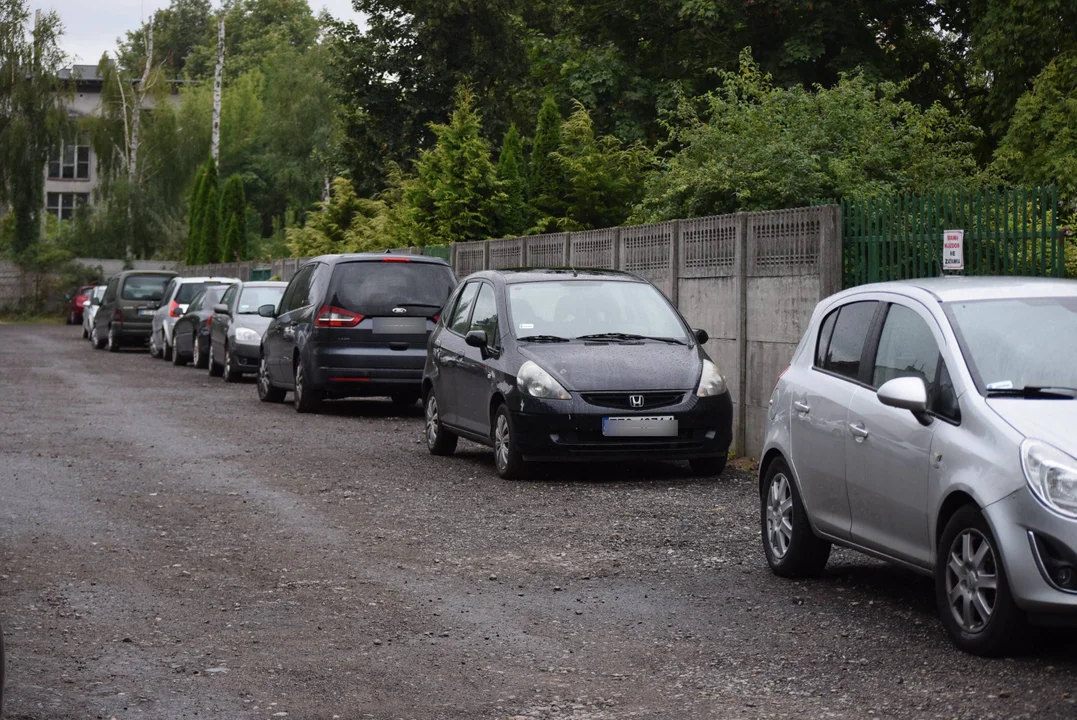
(514, 276)
(125, 273)
(375, 256)
(265, 284)
(965, 289)
(208, 278)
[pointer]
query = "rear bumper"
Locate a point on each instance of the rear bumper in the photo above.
(132, 330)
(349, 371)
(572, 430)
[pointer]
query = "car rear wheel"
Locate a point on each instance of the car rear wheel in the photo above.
(155, 348)
(306, 399)
(215, 368)
(708, 466)
(95, 340)
(792, 549)
(85, 332)
(230, 373)
(439, 440)
(971, 588)
(113, 342)
(166, 351)
(267, 392)
(177, 357)
(199, 358)
(507, 458)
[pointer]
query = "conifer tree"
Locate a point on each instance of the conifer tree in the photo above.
(209, 243)
(514, 218)
(233, 215)
(194, 216)
(547, 182)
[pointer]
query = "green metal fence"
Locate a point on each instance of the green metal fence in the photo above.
(1007, 232)
(442, 251)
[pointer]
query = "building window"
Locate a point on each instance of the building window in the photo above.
(63, 205)
(70, 162)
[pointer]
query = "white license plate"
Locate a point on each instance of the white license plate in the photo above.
(145, 313)
(653, 426)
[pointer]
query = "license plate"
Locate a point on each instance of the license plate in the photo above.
(653, 426)
(145, 313)
(400, 326)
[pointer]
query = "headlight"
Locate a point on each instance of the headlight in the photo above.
(711, 381)
(247, 336)
(533, 380)
(1052, 475)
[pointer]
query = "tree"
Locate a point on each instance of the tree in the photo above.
(208, 184)
(194, 217)
(342, 223)
(233, 220)
(547, 182)
(33, 115)
(179, 28)
(209, 242)
(515, 214)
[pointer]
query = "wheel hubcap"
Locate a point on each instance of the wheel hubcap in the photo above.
(227, 362)
(299, 383)
(971, 580)
(501, 442)
(197, 353)
(263, 377)
(431, 420)
(779, 516)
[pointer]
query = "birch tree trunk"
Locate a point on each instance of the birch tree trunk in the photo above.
(136, 111)
(217, 76)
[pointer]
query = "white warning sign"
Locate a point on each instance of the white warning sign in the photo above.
(953, 250)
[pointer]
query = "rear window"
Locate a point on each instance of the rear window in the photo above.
(187, 291)
(144, 287)
(375, 288)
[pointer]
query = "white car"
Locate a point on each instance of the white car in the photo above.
(931, 423)
(89, 309)
(177, 296)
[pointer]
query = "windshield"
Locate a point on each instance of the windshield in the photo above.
(188, 291)
(574, 308)
(376, 288)
(145, 287)
(1013, 344)
(255, 297)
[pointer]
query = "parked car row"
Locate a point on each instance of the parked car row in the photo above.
(924, 423)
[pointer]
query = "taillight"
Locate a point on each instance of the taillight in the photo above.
(173, 309)
(396, 259)
(117, 315)
(435, 319)
(334, 317)
(208, 321)
(780, 376)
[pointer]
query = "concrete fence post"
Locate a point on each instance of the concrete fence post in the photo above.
(675, 263)
(485, 254)
(617, 254)
(830, 251)
(740, 268)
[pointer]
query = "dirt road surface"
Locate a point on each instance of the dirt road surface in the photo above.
(172, 548)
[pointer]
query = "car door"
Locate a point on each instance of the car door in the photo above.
(888, 449)
(475, 376)
(183, 333)
(273, 341)
(820, 407)
(218, 326)
(165, 307)
(448, 353)
(108, 305)
(289, 322)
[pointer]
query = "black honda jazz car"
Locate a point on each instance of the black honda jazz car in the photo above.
(353, 326)
(573, 364)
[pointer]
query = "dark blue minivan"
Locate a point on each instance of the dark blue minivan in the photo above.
(353, 326)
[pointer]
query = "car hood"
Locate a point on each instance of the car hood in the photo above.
(254, 322)
(1049, 420)
(585, 367)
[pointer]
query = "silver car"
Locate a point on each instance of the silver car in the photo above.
(89, 309)
(177, 296)
(931, 423)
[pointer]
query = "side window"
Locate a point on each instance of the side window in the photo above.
(458, 321)
(169, 290)
(296, 294)
(319, 284)
(485, 316)
(230, 297)
(196, 304)
(825, 331)
(110, 291)
(848, 338)
(906, 349)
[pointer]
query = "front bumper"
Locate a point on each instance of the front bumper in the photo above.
(246, 358)
(1034, 541)
(572, 430)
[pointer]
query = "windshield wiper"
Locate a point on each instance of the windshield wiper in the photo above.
(543, 339)
(1033, 392)
(629, 336)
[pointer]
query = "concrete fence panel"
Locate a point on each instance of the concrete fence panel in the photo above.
(547, 250)
(505, 253)
(648, 251)
(470, 257)
(594, 249)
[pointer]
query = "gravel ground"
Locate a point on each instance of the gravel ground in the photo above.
(172, 548)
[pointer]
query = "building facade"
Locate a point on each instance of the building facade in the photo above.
(71, 174)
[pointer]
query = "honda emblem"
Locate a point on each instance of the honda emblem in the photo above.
(635, 401)
(399, 311)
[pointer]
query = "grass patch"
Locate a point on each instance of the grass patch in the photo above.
(24, 318)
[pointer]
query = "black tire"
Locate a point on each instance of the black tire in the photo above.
(95, 340)
(1007, 624)
(267, 391)
(507, 458)
(229, 371)
(198, 357)
(305, 399)
(155, 349)
(708, 466)
(112, 343)
(215, 368)
(439, 439)
(795, 552)
(85, 332)
(404, 399)
(166, 349)
(177, 357)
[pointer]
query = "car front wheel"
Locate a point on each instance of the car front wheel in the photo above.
(267, 391)
(971, 588)
(792, 549)
(95, 339)
(230, 373)
(439, 440)
(507, 458)
(215, 368)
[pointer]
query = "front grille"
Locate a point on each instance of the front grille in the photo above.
(623, 401)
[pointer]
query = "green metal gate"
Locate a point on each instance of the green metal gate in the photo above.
(1007, 232)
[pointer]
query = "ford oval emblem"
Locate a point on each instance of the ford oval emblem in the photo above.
(400, 311)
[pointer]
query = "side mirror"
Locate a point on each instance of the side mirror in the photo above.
(220, 308)
(476, 339)
(701, 336)
(268, 311)
(85, 303)
(907, 393)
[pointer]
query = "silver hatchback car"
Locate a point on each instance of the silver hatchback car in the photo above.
(931, 423)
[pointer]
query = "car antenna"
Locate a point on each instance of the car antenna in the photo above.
(574, 273)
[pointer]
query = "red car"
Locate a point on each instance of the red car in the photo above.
(74, 305)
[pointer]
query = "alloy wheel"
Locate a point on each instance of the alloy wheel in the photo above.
(227, 362)
(501, 443)
(197, 353)
(779, 516)
(299, 384)
(431, 419)
(263, 377)
(971, 580)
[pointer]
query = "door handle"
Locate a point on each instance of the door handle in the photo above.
(802, 407)
(858, 430)
(289, 333)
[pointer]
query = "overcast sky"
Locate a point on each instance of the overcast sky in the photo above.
(91, 28)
